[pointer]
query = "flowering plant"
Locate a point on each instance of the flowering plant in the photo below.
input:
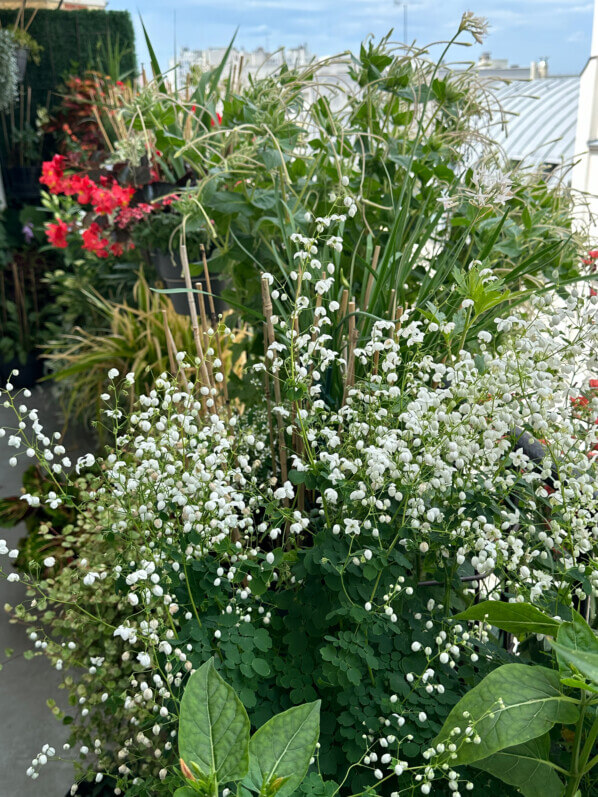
(106, 198)
(320, 550)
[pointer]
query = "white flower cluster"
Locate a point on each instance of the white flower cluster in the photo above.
(478, 463)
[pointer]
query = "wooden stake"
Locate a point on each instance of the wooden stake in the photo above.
(213, 316)
(193, 313)
(206, 272)
(204, 326)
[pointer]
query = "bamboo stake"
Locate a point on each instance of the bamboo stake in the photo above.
(171, 349)
(208, 285)
(20, 14)
(31, 18)
(267, 303)
(193, 313)
(213, 315)
(204, 327)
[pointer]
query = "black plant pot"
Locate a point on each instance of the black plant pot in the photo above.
(22, 56)
(30, 372)
(169, 269)
(23, 183)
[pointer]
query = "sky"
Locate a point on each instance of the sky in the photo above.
(520, 30)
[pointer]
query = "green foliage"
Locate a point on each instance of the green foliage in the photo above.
(215, 747)
(131, 338)
(399, 143)
(26, 40)
(67, 37)
(510, 706)
(520, 619)
(283, 747)
(213, 727)
(525, 766)
(509, 715)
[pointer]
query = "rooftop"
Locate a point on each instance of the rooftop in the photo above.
(542, 119)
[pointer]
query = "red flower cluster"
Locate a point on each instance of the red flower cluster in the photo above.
(57, 234)
(590, 260)
(53, 174)
(94, 241)
(105, 197)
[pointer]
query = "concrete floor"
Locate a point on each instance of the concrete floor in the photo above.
(26, 723)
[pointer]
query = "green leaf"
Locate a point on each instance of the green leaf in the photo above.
(514, 618)
(525, 766)
(510, 706)
(283, 747)
(156, 71)
(261, 667)
(577, 647)
(583, 661)
(185, 791)
(213, 726)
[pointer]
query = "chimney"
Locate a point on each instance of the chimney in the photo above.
(533, 70)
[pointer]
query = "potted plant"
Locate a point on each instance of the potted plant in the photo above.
(26, 46)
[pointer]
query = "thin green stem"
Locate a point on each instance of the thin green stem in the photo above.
(190, 593)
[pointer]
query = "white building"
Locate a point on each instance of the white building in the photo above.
(241, 63)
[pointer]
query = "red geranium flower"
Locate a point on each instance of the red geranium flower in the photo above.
(56, 234)
(53, 174)
(94, 242)
(84, 187)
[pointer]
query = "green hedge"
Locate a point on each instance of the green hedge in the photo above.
(68, 39)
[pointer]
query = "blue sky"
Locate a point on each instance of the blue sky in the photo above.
(521, 30)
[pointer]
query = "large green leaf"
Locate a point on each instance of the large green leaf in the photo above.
(514, 618)
(525, 766)
(577, 647)
(511, 705)
(283, 747)
(213, 726)
(185, 791)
